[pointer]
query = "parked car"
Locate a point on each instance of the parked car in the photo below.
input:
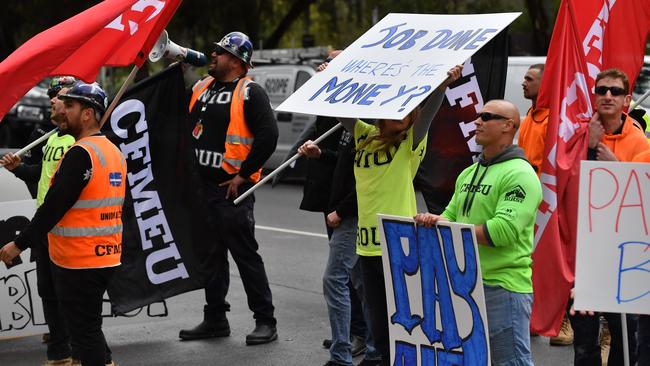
(34, 107)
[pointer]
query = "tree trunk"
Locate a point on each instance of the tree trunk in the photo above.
(297, 8)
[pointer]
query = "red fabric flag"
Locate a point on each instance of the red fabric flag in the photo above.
(589, 36)
(112, 33)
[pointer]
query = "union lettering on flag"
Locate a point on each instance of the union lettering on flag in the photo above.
(589, 36)
(112, 33)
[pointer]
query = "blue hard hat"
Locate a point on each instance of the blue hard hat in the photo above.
(59, 82)
(90, 94)
(239, 45)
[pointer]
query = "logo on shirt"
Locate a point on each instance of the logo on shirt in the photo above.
(476, 188)
(517, 194)
(115, 179)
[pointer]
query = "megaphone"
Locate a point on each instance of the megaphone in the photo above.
(164, 47)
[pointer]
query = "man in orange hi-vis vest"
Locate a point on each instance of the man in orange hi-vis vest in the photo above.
(235, 132)
(82, 214)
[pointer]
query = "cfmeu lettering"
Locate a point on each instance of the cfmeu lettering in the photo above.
(406, 38)
(155, 233)
(431, 253)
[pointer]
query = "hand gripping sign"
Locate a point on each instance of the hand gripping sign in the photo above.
(434, 293)
(395, 65)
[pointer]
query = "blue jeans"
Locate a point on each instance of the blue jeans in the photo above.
(508, 316)
(341, 261)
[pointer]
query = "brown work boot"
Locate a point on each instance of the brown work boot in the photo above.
(565, 336)
(605, 341)
(61, 362)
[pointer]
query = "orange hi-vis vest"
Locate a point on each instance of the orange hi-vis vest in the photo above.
(239, 138)
(90, 233)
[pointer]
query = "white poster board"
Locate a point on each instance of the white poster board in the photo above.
(392, 67)
(21, 309)
(434, 293)
(613, 241)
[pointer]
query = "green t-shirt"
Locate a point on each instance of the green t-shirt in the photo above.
(384, 183)
(506, 201)
(53, 151)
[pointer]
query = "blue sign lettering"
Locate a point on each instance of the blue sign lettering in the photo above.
(634, 292)
(480, 38)
(431, 252)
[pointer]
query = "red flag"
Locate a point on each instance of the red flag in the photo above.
(113, 33)
(589, 36)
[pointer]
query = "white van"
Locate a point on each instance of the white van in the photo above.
(280, 81)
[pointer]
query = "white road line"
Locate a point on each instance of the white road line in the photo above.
(307, 233)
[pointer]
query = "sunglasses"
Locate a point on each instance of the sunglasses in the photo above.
(615, 90)
(487, 116)
(219, 51)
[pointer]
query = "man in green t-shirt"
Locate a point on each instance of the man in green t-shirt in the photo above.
(58, 345)
(499, 195)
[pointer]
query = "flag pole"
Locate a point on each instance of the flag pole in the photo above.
(640, 100)
(626, 350)
(284, 165)
(118, 96)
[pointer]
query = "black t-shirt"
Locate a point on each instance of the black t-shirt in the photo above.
(212, 110)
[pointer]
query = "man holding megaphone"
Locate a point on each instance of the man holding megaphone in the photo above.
(235, 132)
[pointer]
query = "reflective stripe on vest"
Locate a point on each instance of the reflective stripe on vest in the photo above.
(198, 89)
(94, 222)
(239, 138)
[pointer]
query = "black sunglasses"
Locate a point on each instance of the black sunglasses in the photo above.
(219, 51)
(487, 116)
(615, 90)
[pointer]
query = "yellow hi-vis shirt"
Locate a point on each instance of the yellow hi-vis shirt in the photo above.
(384, 183)
(53, 151)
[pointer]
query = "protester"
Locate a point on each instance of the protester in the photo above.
(58, 341)
(82, 213)
(532, 132)
(235, 132)
(397, 147)
(532, 135)
(499, 195)
(613, 136)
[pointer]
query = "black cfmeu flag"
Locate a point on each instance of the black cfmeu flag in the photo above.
(163, 217)
(451, 143)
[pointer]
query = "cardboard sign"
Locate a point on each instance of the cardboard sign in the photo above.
(613, 242)
(21, 309)
(395, 65)
(434, 293)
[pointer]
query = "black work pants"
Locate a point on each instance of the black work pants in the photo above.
(58, 346)
(586, 345)
(374, 292)
(236, 229)
(80, 293)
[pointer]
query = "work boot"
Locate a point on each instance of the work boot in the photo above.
(263, 333)
(76, 362)
(208, 328)
(358, 345)
(565, 336)
(327, 343)
(62, 362)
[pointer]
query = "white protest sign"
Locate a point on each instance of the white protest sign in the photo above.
(391, 68)
(21, 308)
(613, 244)
(434, 293)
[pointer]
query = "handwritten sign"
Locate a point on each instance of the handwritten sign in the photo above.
(613, 242)
(21, 308)
(390, 69)
(434, 293)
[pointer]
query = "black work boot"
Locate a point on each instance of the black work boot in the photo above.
(263, 333)
(211, 327)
